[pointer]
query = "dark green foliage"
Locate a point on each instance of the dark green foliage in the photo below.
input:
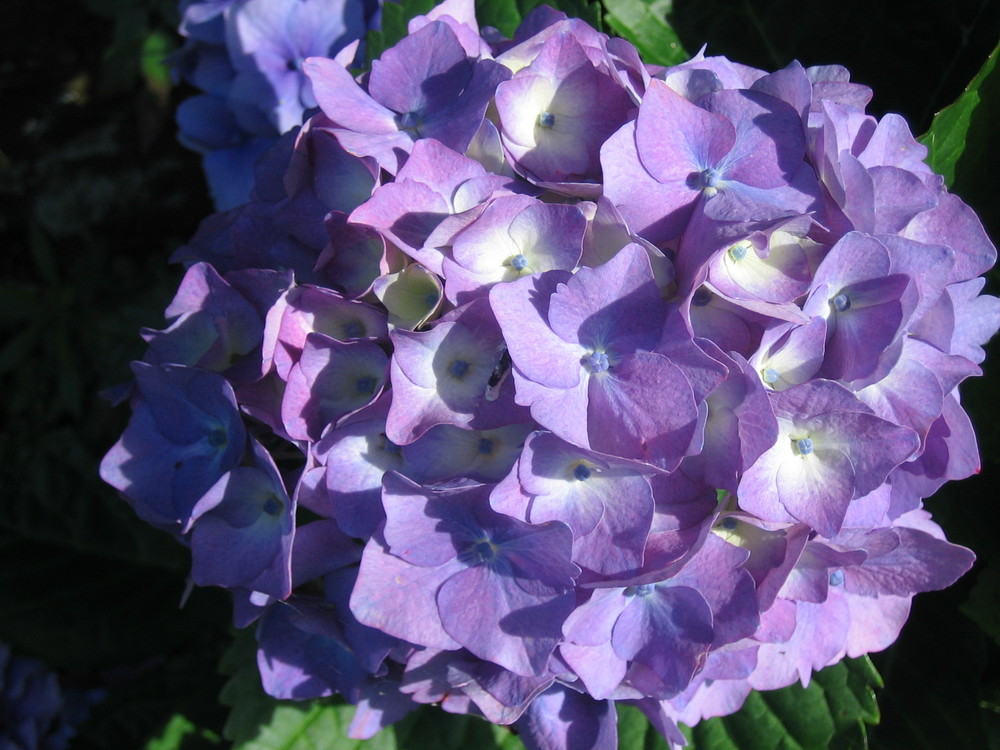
(949, 136)
(833, 712)
(258, 722)
(646, 25)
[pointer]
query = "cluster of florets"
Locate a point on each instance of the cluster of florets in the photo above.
(245, 56)
(536, 379)
(36, 713)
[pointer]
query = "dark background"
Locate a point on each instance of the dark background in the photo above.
(95, 195)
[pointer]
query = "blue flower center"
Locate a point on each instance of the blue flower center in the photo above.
(771, 375)
(842, 302)
(365, 385)
(597, 362)
(217, 438)
(354, 329)
(738, 252)
(837, 577)
(701, 297)
(546, 119)
(485, 446)
(272, 506)
(729, 523)
(710, 178)
(644, 589)
(459, 368)
(804, 446)
(408, 121)
(519, 262)
(582, 472)
(483, 551)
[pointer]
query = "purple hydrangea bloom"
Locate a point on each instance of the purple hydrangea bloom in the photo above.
(565, 405)
(548, 125)
(720, 153)
(556, 481)
(247, 511)
(185, 433)
(424, 87)
(581, 347)
(448, 550)
(830, 449)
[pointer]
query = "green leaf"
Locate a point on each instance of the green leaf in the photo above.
(242, 691)
(504, 15)
(153, 63)
(430, 728)
(259, 722)
(831, 713)
(310, 725)
(395, 16)
(635, 732)
(180, 733)
(952, 137)
(644, 23)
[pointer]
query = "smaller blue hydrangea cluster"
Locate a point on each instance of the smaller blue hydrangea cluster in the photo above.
(35, 713)
(245, 57)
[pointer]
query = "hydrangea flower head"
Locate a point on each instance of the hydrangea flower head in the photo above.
(533, 379)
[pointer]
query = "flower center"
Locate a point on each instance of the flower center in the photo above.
(354, 329)
(582, 472)
(739, 252)
(770, 375)
(701, 297)
(644, 589)
(458, 369)
(804, 446)
(485, 446)
(837, 577)
(519, 262)
(546, 119)
(217, 438)
(710, 178)
(597, 362)
(272, 506)
(841, 302)
(483, 551)
(408, 121)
